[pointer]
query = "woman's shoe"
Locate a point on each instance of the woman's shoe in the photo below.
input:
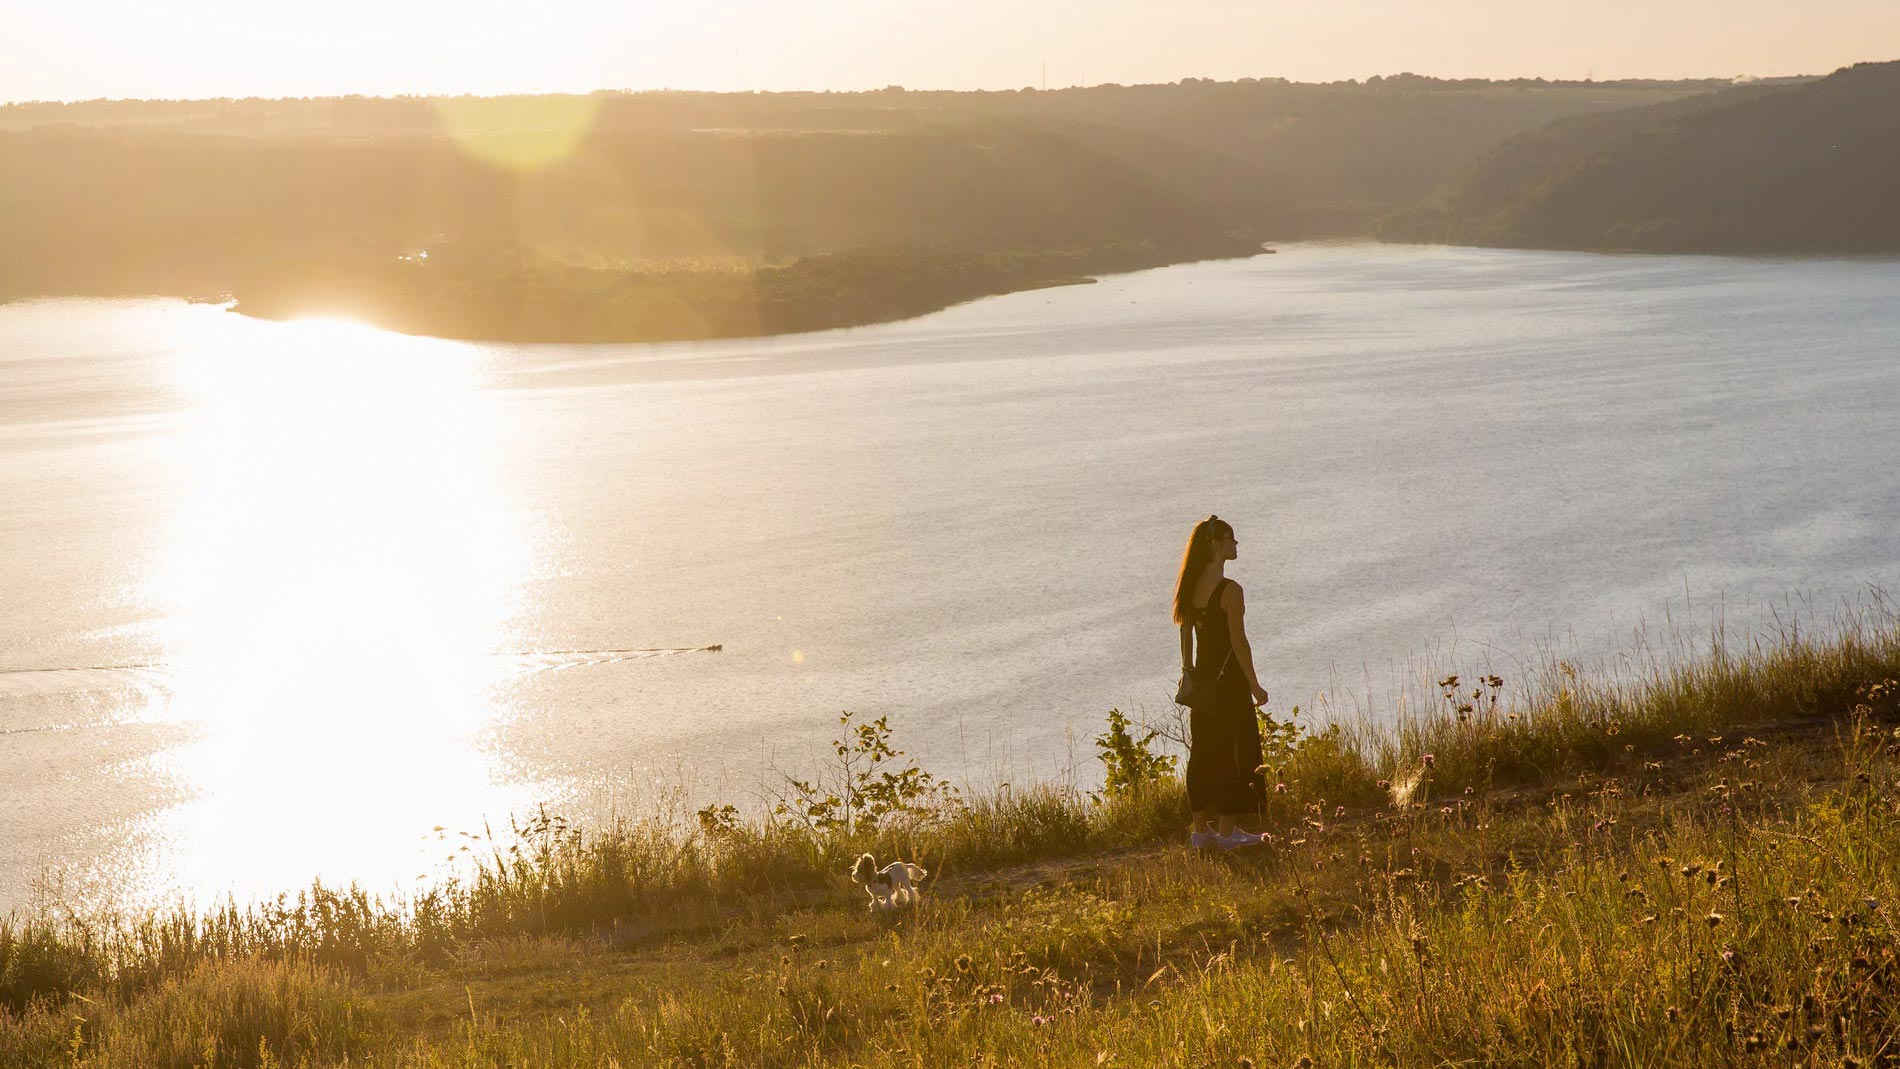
(1237, 838)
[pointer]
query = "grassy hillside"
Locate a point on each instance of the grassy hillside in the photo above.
(1802, 168)
(1698, 868)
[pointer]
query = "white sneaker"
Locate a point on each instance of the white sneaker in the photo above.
(1238, 838)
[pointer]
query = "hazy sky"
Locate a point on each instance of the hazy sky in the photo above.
(70, 49)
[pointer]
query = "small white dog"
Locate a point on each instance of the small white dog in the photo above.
(891, 887)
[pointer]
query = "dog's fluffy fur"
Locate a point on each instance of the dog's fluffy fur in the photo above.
(891, 887)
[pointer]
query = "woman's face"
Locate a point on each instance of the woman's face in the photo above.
(1226, 547)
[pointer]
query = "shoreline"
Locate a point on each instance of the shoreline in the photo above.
(498, 301)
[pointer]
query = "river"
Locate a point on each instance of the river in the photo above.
(289, 600)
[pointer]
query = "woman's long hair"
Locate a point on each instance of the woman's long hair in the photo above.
(1198, 555)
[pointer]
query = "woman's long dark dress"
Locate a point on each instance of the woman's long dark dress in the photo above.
(1224, 751)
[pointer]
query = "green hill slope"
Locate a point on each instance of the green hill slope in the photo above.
(1812, 167)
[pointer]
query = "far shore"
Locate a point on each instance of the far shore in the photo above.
(491, 297)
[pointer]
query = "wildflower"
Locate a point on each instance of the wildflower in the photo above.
(1279, 788)
(1429, 760)
(964, 964)
(995, 997)
(1384, 784)
(1339, 811)
(1713, 920)
(1303, 1063)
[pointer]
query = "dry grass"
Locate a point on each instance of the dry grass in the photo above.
(1699, 868)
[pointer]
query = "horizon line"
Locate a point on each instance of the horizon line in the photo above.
(1185, 81)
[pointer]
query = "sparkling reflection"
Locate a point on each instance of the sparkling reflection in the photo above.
(339, 571)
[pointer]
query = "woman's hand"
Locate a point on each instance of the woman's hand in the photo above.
(1259, 694)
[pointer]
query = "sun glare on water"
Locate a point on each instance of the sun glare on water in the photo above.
(341, 567)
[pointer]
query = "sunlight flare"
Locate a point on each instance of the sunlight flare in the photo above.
(341, 568)
(518, 133)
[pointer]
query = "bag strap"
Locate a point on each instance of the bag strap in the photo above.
(1213, 598)
(1213, 601)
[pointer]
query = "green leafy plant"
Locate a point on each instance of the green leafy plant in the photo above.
(1132, 764)
(870, 783)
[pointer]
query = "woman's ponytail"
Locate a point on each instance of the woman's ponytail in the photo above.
(1199, 553)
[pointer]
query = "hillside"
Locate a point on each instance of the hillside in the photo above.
(1696, 869)
(294, 204)
(1812, 167)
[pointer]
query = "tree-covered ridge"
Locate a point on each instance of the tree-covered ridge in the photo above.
(276, 201)
(1811, 167)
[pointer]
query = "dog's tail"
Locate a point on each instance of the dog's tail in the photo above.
(864, 869)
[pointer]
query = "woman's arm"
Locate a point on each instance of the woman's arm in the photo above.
(1234, 601)
(1187, 648)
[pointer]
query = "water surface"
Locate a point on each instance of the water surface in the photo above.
(281, 599)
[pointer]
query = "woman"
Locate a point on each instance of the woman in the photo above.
(1223, 770)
